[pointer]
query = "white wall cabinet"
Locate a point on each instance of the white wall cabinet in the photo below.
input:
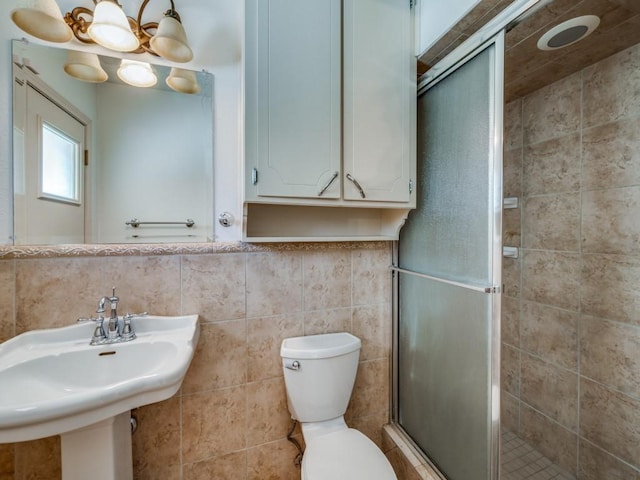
(330, 92)
(379, 95)
(293, 97)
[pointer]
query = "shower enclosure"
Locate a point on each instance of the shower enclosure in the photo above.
(448, 271)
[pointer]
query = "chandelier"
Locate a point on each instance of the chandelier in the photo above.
(107, 25)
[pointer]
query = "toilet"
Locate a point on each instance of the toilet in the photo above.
(319, 373)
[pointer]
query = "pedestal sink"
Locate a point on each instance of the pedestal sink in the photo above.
(53, 382)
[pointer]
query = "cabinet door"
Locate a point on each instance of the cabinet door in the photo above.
(379, 100)
(293, 87)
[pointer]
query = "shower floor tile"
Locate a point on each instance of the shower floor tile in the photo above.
(520, 461)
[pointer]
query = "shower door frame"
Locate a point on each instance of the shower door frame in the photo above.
(494, 289)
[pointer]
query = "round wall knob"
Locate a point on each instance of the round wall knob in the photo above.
(225, 219)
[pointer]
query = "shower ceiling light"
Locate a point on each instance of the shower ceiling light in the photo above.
(107, 25)
(569, 32)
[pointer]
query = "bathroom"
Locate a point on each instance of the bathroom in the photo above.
(230, 419)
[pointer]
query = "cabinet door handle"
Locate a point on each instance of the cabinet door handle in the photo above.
(331, 180)
(355, 182)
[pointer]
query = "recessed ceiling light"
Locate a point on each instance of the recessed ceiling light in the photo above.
(569, 32)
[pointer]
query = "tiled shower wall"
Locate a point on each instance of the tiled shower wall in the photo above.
(571, 311)
(230, 419)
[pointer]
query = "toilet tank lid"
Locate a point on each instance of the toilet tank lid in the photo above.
(319, 346)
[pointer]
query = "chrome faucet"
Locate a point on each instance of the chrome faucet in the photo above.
(118, 330)
(113, 331)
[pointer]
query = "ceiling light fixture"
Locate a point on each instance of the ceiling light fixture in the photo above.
(183, 81)
(569, 32)
(85, 66)
(137, 74)
(107, 26)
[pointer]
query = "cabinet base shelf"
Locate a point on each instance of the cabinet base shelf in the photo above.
(294, 223)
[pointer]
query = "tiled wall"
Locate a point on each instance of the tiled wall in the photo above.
(230, 419)
(571, 311)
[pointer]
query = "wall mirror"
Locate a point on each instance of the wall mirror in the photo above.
(147, 174)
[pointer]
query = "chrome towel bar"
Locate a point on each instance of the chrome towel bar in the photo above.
(135, 223)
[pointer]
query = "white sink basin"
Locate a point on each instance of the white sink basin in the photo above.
(53, 381)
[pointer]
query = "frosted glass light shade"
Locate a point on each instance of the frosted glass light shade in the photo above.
(137, 74)
(85, 66)
(170, 41)
(42, 19)
(110, 28)
(183, 81)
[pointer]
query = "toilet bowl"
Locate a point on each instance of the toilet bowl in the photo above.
(319, 373)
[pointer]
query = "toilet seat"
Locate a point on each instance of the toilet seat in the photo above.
(345, 455)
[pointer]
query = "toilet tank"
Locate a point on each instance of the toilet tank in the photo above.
(319, 373)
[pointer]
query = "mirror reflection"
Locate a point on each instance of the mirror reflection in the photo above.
(100, 161)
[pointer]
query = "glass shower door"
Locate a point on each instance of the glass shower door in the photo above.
(448, 272)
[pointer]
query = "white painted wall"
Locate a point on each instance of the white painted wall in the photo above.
(215, 32)
(436, 17)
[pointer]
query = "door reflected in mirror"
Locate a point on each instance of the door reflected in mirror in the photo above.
(91, 156)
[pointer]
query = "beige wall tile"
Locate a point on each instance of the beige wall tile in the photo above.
(371, 276)
(156, 443)
(610, 354)
(327, 279)
(509, 412)
(55, 292)
(552, 166)
(550, 333)
(510, 321)
(610, 221)
(609, 287)
(160, 470)
(144, 284)
(513, 125)
(611, 155)
(552, 222)
(264, 338)
(213, 286)
(551, 390)
(595, 464)
(372, 324)
(7, 299)
(610, 420)
(512, 227)
(38, 459)
(327, 321)
(511, 270)
(510, 370)
(371, 426)
(371, 390)
(269, 417)
(214, 423)
(220, 359)
(274, 283)
(6, 461)
(232, 466)
(550, 438)
(512, 176)
(273, 461)
(552, 111)
(552, 278)
(610, 88)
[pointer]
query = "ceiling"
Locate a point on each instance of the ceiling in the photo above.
(527, 68)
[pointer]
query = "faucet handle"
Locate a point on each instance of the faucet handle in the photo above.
(127, 331)
(99, 336)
